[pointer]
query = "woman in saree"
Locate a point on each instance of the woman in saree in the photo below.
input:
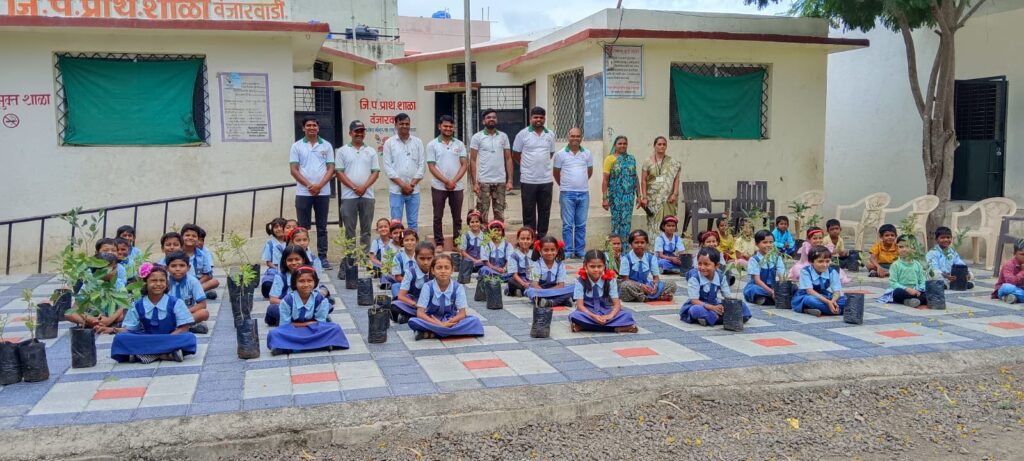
(659, 184)
(620, 186)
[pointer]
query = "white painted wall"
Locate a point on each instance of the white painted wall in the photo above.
(424, 35)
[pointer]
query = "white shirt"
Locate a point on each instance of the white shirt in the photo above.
(535, 161)
(490, 156)
(312, 160)
(574, 169)
(405, 160)
(358, 165)
(447, 158)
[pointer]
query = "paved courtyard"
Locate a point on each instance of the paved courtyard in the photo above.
(216, 381)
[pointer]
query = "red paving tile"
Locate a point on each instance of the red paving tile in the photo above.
(16, 339)
(124, 393)
(774, 342)
(559, 309)
(897, 334)
(635, 352)
(321, 377)
(484, 363)
(660, 303)
(1008, 325)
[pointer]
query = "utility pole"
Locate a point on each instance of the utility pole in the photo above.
(468, 111)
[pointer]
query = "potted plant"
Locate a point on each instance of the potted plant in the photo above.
(364, 285)
(732, 318)
(32, 352)
(960, 271)
(492, 291)
(541, 327)
(243, 276)
(97, 297)
(784, 287)
(379, 314)
(351, 255)
(10, 366)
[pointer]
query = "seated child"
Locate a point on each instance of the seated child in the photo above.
(906, 278)
(299, 236)
(415, 278)
(641, 274)
(290, 224)
(186, 287)
(405, 259)
(745, 246)
(763, 268)
(726, 241)
(943, 257)
(134, 254)
(815, 237)
(304, 322)
(1010, 285)
(519, 262)
(292, 258)
(783, 239)
(704, 305)
(820, 291)
(709, 239)
(116, 275)
(669, 247)
(597, 299)
(124, 254)
(472, 240)
(549, 288)
(495, 254)
(614, 257)
(156, 327)
(200, 263)
(381, 243)
(272, 253)
(441, 309)
(883, 252)
(834, 241)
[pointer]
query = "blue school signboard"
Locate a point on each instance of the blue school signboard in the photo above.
(593, 107)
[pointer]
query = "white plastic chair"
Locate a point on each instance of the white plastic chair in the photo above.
(920, 208)
(992, 212)
(813, 199)
(871, 218)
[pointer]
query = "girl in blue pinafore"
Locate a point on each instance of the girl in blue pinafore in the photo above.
(472, 241)
(299, 236)
(441, 309)
(597, 299)
(704, 305)
(763, 267)
(156, 326)
(640, 273)
(669, 247)
(292, 258)
(304, 322)
(549, 288)
(380, 244)
(272, 253)
(416, 277)
(496, 253)
(404, 260)
(519, 262)
(821, 291)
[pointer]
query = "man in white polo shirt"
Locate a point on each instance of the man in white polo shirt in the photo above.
(405, 163)
(446, 158)
(357, 170)
(490, 166)
(573, 168)
(311, 162)
(533, 148)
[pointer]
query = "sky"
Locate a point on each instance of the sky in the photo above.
(514, 17)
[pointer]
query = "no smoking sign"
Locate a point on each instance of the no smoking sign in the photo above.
(11, 121)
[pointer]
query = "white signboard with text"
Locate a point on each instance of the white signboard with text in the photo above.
(624, 71)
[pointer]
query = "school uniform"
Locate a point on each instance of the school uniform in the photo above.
(519, 263)
(443, 305)
(641, 270)
(320, 335)
(548, 278)
(149, 330)
(279, 289)
(272, 251)
(669, 247)
(498, 255)
(472, 244)
(767, 268)
(403, 261)
(189, 289)
(412, 282)
(781, 239)
(942, 261)
(198, 263)
(700, 288)
(826, 284)
(599, 300)
(377, 249)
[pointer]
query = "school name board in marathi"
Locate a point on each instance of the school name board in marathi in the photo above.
(244, 107)
(227, 10)
(624, 71)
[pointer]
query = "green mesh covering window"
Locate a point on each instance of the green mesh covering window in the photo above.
(135, 101)
(718, 101)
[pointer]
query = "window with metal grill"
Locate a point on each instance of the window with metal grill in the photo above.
(566, 102)
(717, 70)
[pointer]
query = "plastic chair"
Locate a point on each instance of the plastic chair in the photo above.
(871, 218)
(750, 196)
(993, 210)
(697, 206)
(920, 208)
(813, 199)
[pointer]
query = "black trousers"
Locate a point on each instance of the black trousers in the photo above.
(304, 207)
(899, 295)
(537, 206)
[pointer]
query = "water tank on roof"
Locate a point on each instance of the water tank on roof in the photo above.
(441, 14)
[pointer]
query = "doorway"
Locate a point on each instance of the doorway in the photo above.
(980, 161)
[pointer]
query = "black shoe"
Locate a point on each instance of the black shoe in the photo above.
(970, 285)
(211, 295)
(760, 300)
(276, 352)
(702, 322)
(873, 274)
(814, 312)
(419, 335)
(326, 264)
(199, 329)
(403, 319)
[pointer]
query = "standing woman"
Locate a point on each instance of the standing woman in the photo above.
(659, 184)
(619, 186)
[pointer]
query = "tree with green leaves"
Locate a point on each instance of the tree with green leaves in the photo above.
(935, 103)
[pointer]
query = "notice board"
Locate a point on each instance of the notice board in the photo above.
(244, 107)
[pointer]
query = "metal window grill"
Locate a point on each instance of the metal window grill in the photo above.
(502, 97)
(309, 99)
(200, 94)
(717, 70)
(979, 114)
(567, 101)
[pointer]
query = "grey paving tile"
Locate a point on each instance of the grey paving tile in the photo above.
(413, 389)
(171, 411)
(100, 417)
(46, 420)
(576, 365)
(414, 378)
(216, 395)
(13, 410)
(503, 381)
(366, 394)
(585, 375)
(267, 402)
(320, 398)
(460, 385)
(214, 407)
(545, 378)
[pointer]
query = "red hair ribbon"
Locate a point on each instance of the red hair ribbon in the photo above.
(292, 233)
(813, 232)
(707, 234)
(473, 213)
(536, 245)
(496, 223)
(561, 245)
(671, 218)
(608, 274)
(305, 270)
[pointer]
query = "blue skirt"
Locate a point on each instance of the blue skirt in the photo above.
(752, 289)
(622, 319)
(273, 315)
(389, 279)
(487, 271)
(405, 307)
(558, 296)
(316, 336)
(667, 266)
(804, 301)
(469, 326)
(690, 313)
(132, 343)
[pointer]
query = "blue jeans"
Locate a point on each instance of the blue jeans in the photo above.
(411, 204)
(1010, 289)
(574, 206)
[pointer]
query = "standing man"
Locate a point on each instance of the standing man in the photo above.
(404, 164)
(533, 148)
(312, 165)
(490, 166)
(357, 170)
(446, 158)
(573, 168)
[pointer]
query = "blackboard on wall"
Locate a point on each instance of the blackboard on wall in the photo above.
(593, 107)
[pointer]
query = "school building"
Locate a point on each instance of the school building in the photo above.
(258, 66)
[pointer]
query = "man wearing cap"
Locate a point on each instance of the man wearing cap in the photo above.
(446, 159)
(357, 170)
(490, 169)
(311, 162)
